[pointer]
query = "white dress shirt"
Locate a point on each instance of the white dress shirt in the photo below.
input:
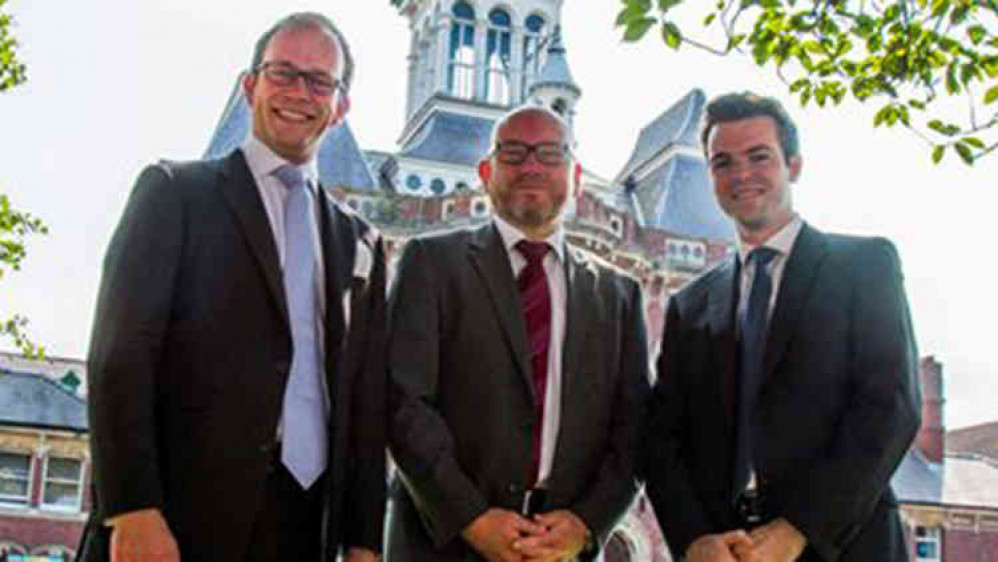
(783, 243)
(554, 269)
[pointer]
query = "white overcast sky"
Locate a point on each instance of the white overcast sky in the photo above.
(115, 84)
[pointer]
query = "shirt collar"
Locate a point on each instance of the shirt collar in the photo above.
(782, 241)
(263, 161)
(511, 236)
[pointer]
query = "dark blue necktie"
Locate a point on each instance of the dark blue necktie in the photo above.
(304, 437)
(753, 350)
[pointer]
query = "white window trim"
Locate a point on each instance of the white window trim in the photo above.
(31, 483)
(45, 481)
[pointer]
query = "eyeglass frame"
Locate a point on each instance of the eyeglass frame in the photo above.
(294, 73)
(565, 151)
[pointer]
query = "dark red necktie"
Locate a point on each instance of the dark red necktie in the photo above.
(536, 300)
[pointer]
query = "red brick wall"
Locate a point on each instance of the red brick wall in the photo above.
(33, 532)
(970, 546)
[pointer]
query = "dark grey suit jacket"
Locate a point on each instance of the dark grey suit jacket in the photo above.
(461, 400)
(190, 352)
(835, 414)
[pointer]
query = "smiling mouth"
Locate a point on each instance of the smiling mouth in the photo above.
(293, 116)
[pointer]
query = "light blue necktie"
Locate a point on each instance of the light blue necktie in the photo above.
(304, 438)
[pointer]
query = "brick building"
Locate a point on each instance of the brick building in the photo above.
(44, 459)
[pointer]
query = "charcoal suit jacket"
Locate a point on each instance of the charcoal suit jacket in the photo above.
(462, 401)
(837, 409)
(190, 353)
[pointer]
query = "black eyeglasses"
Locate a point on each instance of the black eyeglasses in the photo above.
(516, 152)
(284, 74)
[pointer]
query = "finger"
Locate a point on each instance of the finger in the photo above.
(737, 536)
(527, 527)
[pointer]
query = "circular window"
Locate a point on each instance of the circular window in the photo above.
(480, 208)
(438, 186)
(413, 182)
(461, 186)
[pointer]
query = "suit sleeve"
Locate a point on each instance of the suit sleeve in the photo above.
(664, 465)
(420, 440)
(615, 485)
(839, 492)
(366, 480)
(133, 311)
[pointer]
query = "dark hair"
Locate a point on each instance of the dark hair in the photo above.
(746, 105)
(304, 20)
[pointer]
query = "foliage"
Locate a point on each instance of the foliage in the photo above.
(922, 61)
(15, 226)
(11, 70)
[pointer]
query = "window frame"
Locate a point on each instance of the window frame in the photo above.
(7, 503)
(42, 504)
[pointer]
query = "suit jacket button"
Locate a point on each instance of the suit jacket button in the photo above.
(513, 488)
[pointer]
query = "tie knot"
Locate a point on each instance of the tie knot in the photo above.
(762, 256)
(292, 177)
(534, 252)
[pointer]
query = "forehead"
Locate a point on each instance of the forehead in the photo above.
(743, 135)
(307, 47)
(531, 126)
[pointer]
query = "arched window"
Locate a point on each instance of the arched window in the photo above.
(533, 29)
(461, 68)
(497, 53)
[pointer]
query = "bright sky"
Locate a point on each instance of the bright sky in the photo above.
(115, 85)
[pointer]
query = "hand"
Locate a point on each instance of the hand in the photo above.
(776, 541)
(564, 537)
(493, 532)
(142, 536)
(719, 547)
(361, 555)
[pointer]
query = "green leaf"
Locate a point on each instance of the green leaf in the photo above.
(666, 5)
(637, 29)
(709, 19)
(952, 84)
(937, 153)
(991, 95)
(976, 33)
(973, 141)
(965, 152)
(671, 35)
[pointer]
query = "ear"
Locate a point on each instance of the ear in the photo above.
(485, 171)
(249, 84)
(577, 180)
(794, 167)
(342, 107)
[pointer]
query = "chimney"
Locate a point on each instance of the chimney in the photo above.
(932, 434)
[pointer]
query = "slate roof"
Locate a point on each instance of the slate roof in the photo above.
(32, 400)
(555, 71)
(678, 197)
(680, 124)
(341, 163)
(451, 137)
(961, 480)
(978, 439)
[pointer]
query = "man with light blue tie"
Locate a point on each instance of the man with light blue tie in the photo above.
(237, 380)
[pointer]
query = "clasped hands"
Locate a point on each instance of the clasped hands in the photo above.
(501, 535)
(776, 541)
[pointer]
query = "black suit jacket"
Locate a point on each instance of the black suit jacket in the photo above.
(836, 412)
(462, 403)
(190, 352)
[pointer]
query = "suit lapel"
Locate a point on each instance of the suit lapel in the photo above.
(338, 248)
(805, 259)
(580, 296)
(722, 303)
(242, 195)
(491, 262)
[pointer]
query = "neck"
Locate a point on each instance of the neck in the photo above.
(758, 236)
